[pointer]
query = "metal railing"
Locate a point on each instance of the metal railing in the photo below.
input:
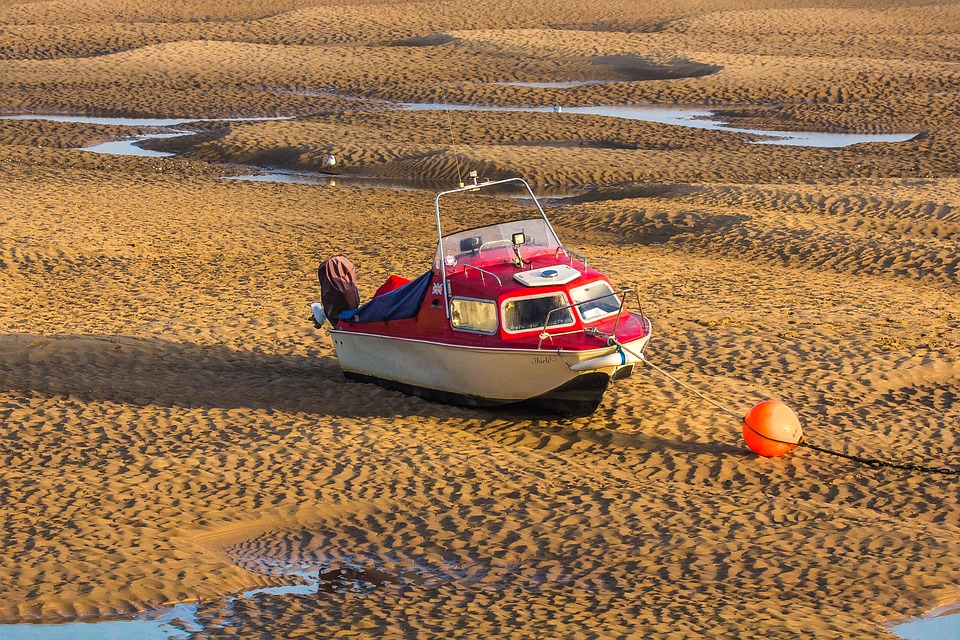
(482, 271)
(593, 331)
(570, 254)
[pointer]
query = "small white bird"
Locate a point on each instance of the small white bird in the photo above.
(319, 317)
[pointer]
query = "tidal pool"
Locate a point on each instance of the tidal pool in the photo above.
(131, 122)
(181, 620)
(170, 623)
(562, 84)
(695, 118)
(131, 148)
(939, 624)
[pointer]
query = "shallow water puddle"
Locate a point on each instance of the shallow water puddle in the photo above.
(120, 122)
(130, 147)
(562, 84)
(940, 624)
(134, 122)
(694, 118)
(181, 620)
(170, 623)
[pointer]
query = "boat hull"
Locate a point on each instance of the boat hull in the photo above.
(557, 381)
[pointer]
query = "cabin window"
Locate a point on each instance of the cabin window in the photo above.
(524, 314)
(596, 300)
(468, 314)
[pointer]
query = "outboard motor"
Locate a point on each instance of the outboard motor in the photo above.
(338, 288)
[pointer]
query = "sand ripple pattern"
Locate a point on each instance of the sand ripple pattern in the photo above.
(174, 429)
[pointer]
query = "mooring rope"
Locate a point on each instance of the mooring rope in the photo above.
(692, 390)
(872, 462)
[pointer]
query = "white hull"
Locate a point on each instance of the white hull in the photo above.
(490, 376)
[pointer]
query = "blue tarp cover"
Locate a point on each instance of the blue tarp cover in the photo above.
(397, 304)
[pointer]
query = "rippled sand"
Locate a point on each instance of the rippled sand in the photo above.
(175, 429)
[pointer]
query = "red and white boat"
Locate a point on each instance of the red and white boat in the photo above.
(506, 315)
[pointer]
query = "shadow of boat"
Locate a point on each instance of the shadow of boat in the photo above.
(143, 372)
(155, 371)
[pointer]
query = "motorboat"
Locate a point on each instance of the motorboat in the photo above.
(506, 315)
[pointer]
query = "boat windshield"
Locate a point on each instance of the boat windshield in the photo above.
(537, 237)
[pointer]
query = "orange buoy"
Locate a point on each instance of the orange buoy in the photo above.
(772, 429)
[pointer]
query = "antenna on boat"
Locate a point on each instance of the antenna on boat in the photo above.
(453, 142)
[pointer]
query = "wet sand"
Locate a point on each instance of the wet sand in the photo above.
(176, 430)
